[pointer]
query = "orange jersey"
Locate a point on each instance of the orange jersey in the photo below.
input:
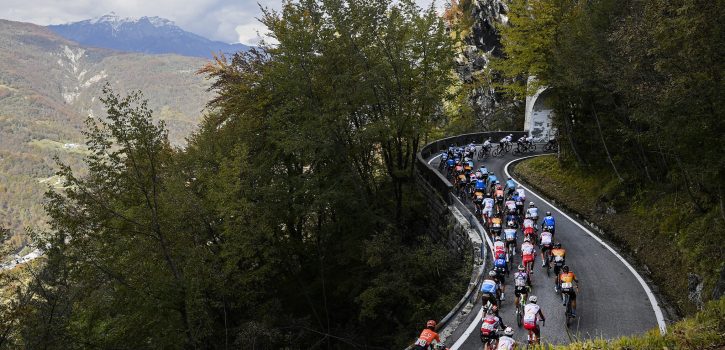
(426, 337)
(567, 277)
(558, 252)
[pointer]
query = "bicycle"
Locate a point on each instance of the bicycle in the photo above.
(520, 310)
(499, 151)
(566, 298)
(551, 145)
(483, 153)
(532, 338)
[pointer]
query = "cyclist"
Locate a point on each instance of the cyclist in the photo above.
(521, 142)
(489, 289)
(522, 284)
(519, 204)
(428, 337)
(487, 145)
(533, 212)
(509, 233)
(495, 225)
(501, 268)
(510, 186)
(566, 280)
(550, 222)
(544, 246)
(528, 228)
(558, 256)
(507, 342)
(532, 314)
(478, 201)
(487, 207)
(521, 192)
(490, 325)
(492, 179)
(499, 247)
(529, 140)
(527, 255)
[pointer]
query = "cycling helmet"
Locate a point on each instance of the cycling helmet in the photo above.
(527, 239)
(565, 268)
(492, 273)
(508, 331)
(511, 134)
(510, 178)
(533, 299)
(430, 324)
(548, 213)
(557, 245)
(511, 224)
(498, 239)
(498, 182)
(531, 204)
(521, 267)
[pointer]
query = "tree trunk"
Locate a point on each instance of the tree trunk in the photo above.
(606, 149)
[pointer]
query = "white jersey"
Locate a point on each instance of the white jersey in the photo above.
(522, 194)
(511, 205)
(499, 246)
(488, 202)
(507, 138)
(531, 313)
(487, 144)
(504, 140)
(546, 238)
(528, 223)
(505, 343)
(529, 139)
(510, 234)
(533, 212)
(527, 248)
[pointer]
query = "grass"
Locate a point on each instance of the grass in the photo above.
(705, 330)
(658, 228)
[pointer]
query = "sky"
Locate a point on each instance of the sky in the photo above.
(230, 21)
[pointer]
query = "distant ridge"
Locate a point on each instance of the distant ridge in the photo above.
(151, 35)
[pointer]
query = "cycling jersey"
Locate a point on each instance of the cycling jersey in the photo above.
(528, 223)
(492, 179)
(531, 316)
(450, 162)
(521, 279)
(498, 247)
(549, 221)
(500, 263)
(533, 212)
(505, 343)
(511, 205)
(503, 140)
(487, 144)
(567, 278)
(489, 286)
(510, 184)
(545, 238)
(480, 185)
(489, 325)
(521, 193)
(427, 337)
(488, 202)
(510, 234)
(527, 251)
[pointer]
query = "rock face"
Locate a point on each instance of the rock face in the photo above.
(482, 44)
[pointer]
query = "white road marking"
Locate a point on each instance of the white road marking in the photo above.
(431, 160)
(647, 290)
(468, 331)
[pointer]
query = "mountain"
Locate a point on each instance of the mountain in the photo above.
(152, 35)
(50, 85)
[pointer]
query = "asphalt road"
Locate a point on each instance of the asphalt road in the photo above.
(612, 301)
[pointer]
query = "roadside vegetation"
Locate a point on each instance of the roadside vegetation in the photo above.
(703, 331)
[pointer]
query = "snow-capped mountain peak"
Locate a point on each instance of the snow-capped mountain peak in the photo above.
(145, 34)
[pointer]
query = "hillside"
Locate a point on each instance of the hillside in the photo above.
(49, 85)
(146, 35)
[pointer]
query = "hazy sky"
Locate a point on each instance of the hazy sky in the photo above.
(223, 20)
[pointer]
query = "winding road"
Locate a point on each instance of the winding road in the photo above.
(613, 300)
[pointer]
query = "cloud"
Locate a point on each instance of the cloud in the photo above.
(224, 20)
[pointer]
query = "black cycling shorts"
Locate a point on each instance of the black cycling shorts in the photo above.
(521, 290)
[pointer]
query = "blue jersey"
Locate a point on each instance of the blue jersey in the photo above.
(480, 185)
(444, 156)
(500, 263)
(492, 179)
(484, 170)
(510, 184)
(451, 162)
(516, 197)
(549, 221)
(489, 286)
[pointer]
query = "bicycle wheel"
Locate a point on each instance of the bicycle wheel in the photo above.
(532, 148)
